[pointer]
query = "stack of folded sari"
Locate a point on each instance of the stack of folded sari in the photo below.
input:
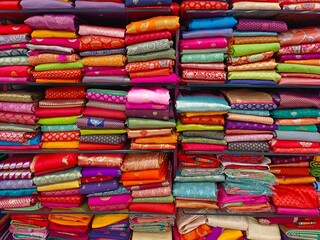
(111, 226)
(248, 184)
(150, 118)
(57, 178)
(315, 167)
(17, 190)
(19, 127)
(249, 125)
(103, 52)
(250, 54)
(29, 226)
(116, 5)
(48, 4)
(69, 226)
(201, 121)
(255, 5)
(300, 5)
(296, 116)
(100, 182)
(52, 49)
(203, 48)
(150, 50)
(292, 170)
(302, 228)
(296, 199)
(199, 174)
(13, 53)
(203, 5)
(299, 56)
(58, 113)
(103, 122)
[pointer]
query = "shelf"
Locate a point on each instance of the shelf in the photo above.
(77, 212)
(194, 85)
(251, 153)
(222, 213)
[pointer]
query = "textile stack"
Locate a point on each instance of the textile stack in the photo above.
(250, 54)
(299, 56)
(195, 184)
(103, 52)
(93, 4)
(151, 120)
(248, 184)
(296, 116)
(111, 226)
(255, 5)
(63, 225)
(13, 53)
(17, 190)
(201, 121)
(57, 178)
(203, 48)
(58, 114)
(302, 5)
(102, 124)
(301, 228)
(150, 50)
(18, 122)
(148, 176)
(249, 125)
(100, 182)
(53, 49)
(293, 173)
(48, 4)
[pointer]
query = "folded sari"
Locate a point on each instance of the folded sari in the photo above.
(63, 42)
(100, 42)
(59, 74)
(97, 146)
(52, 34)
(61, 176)
(17, 202)
(153, 207)
(89, 188)
(249, 49)
(59, 186)
(117, 60)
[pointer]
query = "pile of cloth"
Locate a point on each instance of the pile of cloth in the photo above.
(203, 48)
(201, 121)
(17, 190)
(299, 56)
(148, 176)
(48, 4)
(53, 49)
(103, 52)
(117, 5)
(19, 127)
(63, 226)
(249, 127)
(57, 178)
(151, 120)
(60, 108)
(150, 50)
(300, 5)
(297, 116)
(195, 183)
(250, 54)
(100, 182)
(248, 184)
(110, 226)
(102, 124)
(202, 5)
(13, 52)
(300, 228)
(29, 226)
(255, 5)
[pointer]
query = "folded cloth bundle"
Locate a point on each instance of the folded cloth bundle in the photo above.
(19, 123)
(300, 5)
(102, 124)
(116, 5)
(53, 49)
(49, 4)
(58, 113)
(150, 50)
(250, 54)
(201, 121)
(150, 118)
(299, 56)
(103, 52)
(198, 170)
(203, 47)
(255, 5)
(111, 226)
(14, 65)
